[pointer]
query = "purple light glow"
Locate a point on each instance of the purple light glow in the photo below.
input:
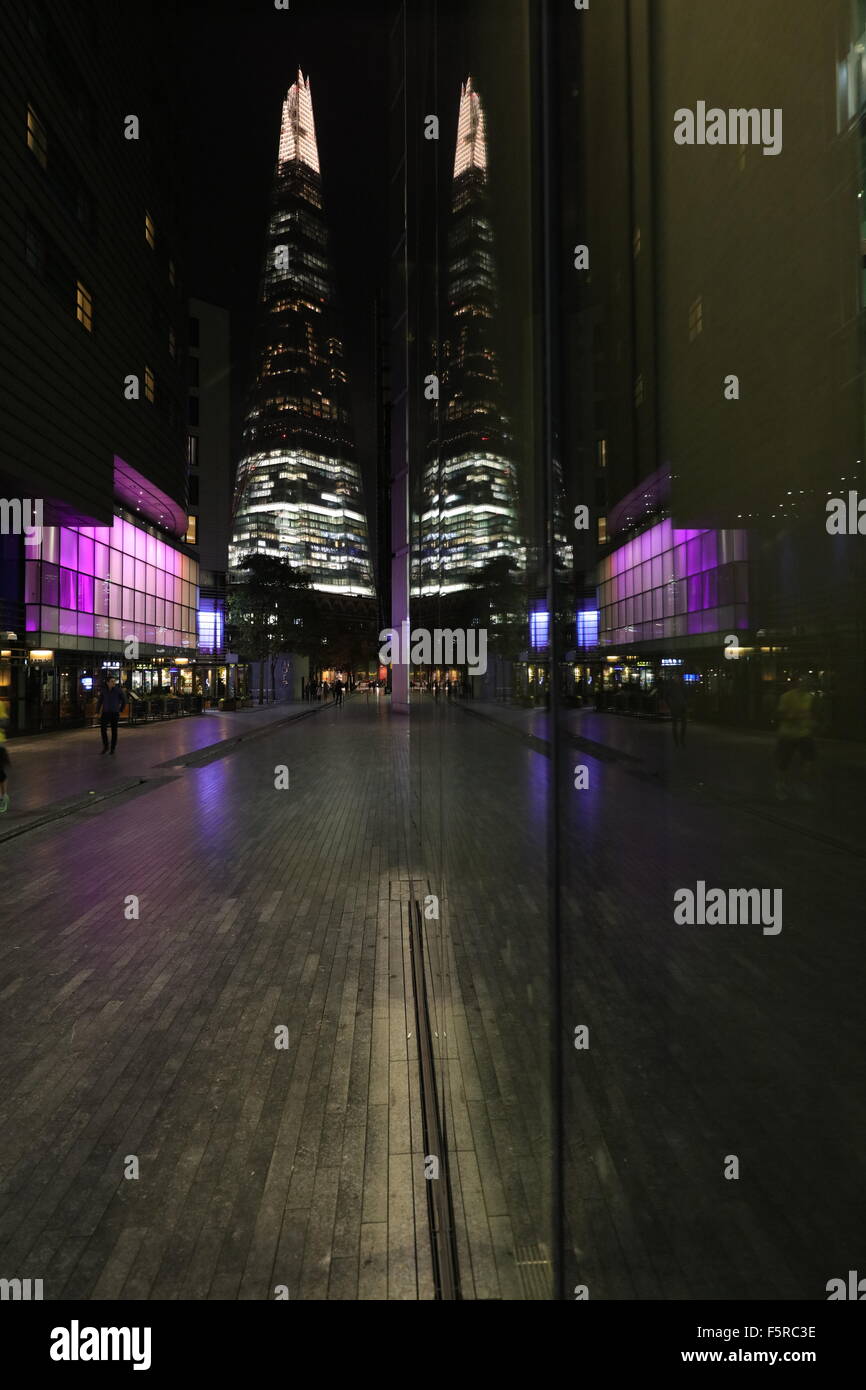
(109, 583)
(669, 582)
(587, 628)
(539, 626)
(210, 630)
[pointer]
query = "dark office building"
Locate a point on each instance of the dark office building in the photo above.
(299, 496)
(92, 356)
(209, 447)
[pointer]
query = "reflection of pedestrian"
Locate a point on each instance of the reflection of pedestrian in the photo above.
(675, 699)
(4, 756)
(796, 716)
(112, 702)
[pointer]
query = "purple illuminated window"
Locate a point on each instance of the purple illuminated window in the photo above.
(668, 582)
(210, 630)
(587, 628)
(103, 582)
(539, 626)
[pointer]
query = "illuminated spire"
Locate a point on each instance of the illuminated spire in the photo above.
(298, 129)
(471, 132)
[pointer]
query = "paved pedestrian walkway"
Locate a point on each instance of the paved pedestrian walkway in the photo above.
(706, 1043)
(154, 941)
(731, 766)
(48, 768)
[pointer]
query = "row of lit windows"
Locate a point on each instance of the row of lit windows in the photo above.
(709, 589)
(282, 222)
(286, 306)
(710, 620)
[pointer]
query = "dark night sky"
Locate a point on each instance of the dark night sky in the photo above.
(238, 60)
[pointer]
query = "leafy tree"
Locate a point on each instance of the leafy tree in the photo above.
(262, 608)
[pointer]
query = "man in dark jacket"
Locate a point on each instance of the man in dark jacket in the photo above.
(112, 703)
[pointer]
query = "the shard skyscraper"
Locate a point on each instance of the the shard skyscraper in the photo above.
(299, 496)
(470, 517)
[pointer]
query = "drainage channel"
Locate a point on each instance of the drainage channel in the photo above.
(440, 1206)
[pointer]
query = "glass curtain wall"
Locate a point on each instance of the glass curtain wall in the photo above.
(619, 449)
(478, 568)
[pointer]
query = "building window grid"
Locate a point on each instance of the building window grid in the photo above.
(110, 583)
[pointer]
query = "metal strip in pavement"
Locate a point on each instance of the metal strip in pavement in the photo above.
(64, 809)
(440, 1206)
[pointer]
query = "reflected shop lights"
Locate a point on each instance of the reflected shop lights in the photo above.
(539, 626)
(673, 583)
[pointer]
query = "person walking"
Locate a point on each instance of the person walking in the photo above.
(4, 756)
(675, 699)
(112, 703)
(796, 722)
(338, 691)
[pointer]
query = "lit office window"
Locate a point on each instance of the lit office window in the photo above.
(602, 530)
(191, 530)
(696, 318)
(84, 306)
(149, 230)
(149, 385)
(601, 453)
(37, 137)
(192, 450)
(587, 628)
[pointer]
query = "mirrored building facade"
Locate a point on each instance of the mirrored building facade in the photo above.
(470, 505)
